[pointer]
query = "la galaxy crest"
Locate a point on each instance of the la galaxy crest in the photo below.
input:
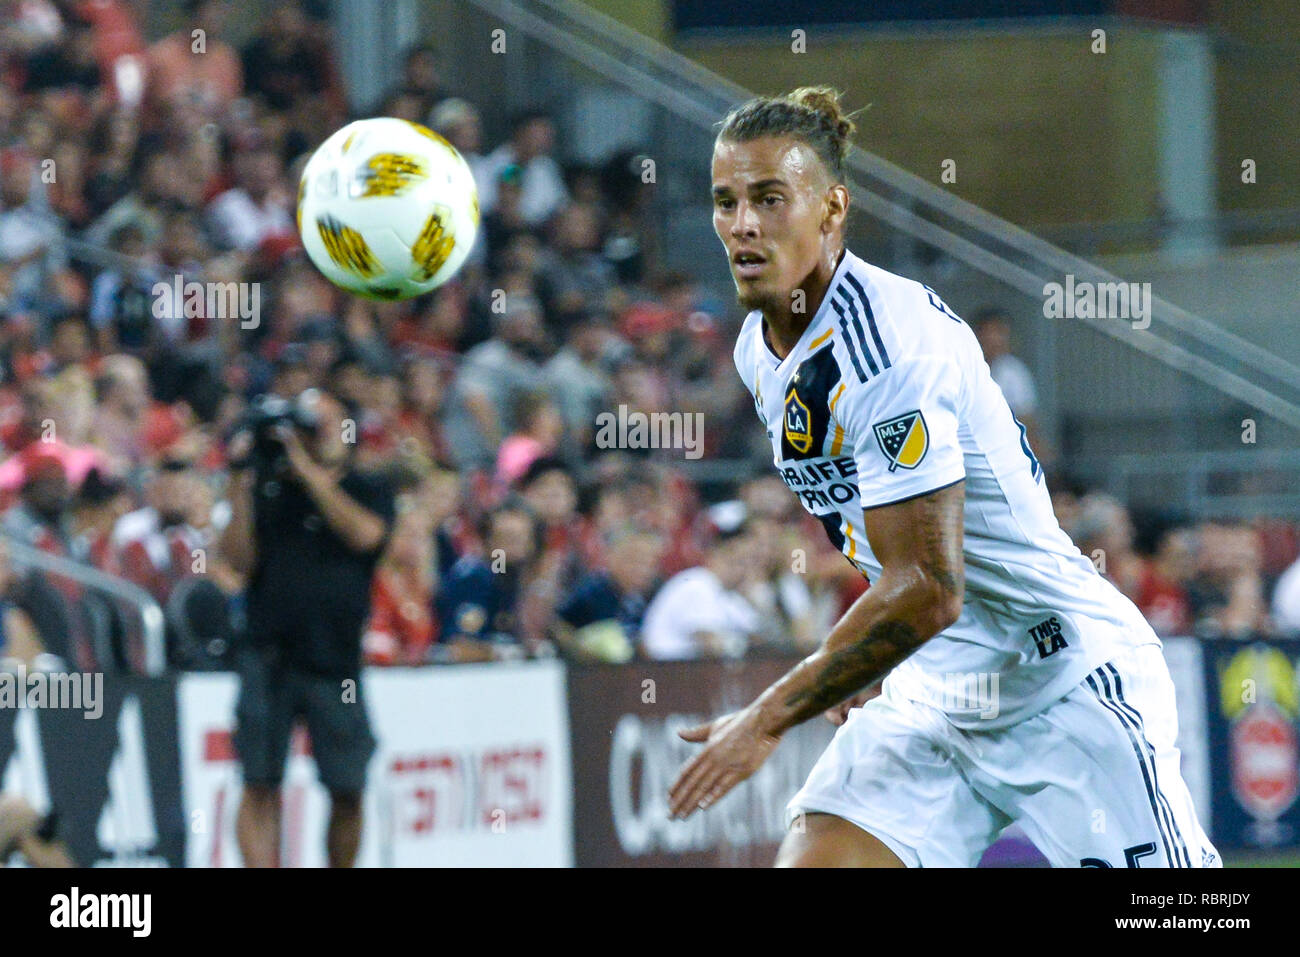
(904, 439)
(798, 423)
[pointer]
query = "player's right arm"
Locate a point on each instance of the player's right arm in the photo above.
(917, 594)
(904, 428)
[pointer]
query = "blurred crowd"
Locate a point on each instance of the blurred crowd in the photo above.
(1214, 579)
(127, 162)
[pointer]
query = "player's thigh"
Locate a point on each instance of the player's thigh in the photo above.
(1095, 780)
(889, 774)
(825, 840)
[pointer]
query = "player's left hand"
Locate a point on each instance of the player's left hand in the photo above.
(736, 747)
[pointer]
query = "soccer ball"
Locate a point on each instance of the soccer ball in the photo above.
(387, 209)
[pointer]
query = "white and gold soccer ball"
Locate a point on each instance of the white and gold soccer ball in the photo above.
(387, 209)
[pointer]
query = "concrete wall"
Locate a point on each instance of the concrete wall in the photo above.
(1043, 130)
(980, 99)
(1258, 81)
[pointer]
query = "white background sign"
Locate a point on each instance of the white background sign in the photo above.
(472, 770)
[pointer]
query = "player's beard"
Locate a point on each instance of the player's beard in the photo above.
(750, 297)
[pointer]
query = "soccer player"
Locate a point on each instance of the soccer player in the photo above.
(1019, 685)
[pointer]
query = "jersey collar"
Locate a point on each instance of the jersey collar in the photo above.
(814, 331)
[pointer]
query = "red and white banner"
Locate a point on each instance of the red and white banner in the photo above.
(472, 769)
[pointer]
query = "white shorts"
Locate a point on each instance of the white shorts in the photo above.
(1093, 780)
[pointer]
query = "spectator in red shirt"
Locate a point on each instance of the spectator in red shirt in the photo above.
(1162, 583)
(402, 628)
(1104, 533)
(118, 47)
(169, 539)
(435, 325)
(1227, 594)
(419, 423)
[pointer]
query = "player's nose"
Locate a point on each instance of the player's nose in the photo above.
(745, 225)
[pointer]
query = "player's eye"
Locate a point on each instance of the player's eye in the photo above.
(723, 203)
(771, 199)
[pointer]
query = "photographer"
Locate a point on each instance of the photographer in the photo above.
(307, 530)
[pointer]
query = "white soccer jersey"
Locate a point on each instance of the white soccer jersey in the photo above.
(886, 396)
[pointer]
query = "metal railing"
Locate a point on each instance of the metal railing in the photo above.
(1191, 479)
(151, 614)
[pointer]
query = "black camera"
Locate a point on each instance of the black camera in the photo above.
(263, 419)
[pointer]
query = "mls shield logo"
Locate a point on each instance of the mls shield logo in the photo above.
(904, 439)
(798, 423)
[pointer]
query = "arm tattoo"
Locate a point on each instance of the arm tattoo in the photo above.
(941, 552)
(934, 532)
(849, 670)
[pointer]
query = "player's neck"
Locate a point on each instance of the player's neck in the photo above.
(785, 323)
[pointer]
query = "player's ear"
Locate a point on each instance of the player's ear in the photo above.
(836, 207)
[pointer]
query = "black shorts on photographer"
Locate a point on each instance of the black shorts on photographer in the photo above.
(308, 599)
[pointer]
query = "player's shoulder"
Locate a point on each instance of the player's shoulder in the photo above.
(903, 317)
(893, 317)
(748, 340)
(895, 338)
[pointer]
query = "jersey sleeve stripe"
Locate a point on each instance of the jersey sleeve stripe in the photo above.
(857, 328)
(871, 318)
(853, 355)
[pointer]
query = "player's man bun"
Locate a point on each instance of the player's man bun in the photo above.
(810, 113)
(825, 101)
